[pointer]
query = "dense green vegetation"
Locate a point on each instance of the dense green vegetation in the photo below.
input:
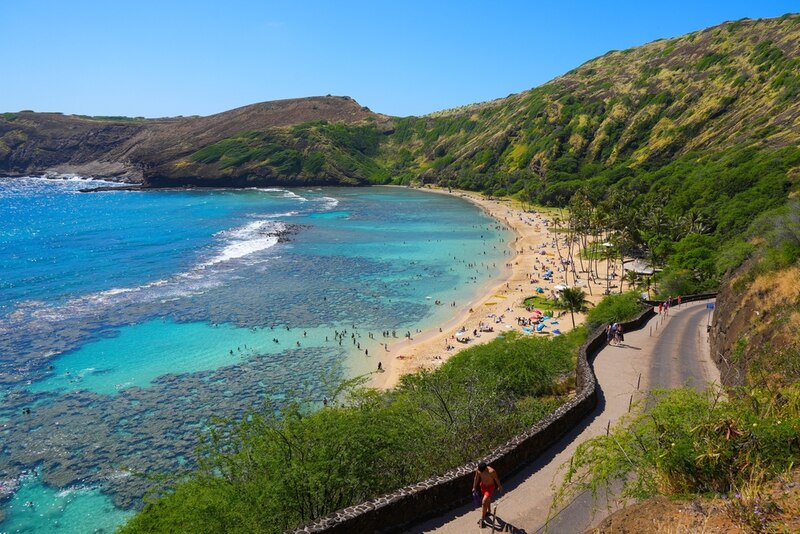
(693, 138)
(612, 309)
(777, 236)
(693, 151)
(306, 152)
(689, 444)
(271, 472)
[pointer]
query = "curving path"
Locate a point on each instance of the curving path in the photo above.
(668, 352)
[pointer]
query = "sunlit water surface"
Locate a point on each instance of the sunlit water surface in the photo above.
(127, 319)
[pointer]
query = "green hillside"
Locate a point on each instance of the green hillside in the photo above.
(708, 122)
(685, 141)
(621, 116)
(699, 132)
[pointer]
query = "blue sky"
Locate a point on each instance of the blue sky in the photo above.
(161, 58)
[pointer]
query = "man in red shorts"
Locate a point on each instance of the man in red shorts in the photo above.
(486, 478)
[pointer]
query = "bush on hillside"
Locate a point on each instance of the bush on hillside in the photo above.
(613, 308)
(270, 473)
(693, 443)
(674, 281)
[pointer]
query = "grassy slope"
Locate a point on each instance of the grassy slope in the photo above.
(673, 119)
(726, 86)
(317, 152)
(705, 122)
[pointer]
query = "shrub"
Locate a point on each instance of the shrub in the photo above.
(269, 473)
(692, 443)
(674, 281)
(613, 308)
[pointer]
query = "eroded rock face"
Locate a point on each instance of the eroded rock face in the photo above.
(731, 323)
(156, 151)
(39, 143)
(753, 314)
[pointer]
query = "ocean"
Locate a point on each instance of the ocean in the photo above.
(129, 319)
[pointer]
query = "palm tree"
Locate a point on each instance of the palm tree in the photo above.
(574, 299)
(631, 277)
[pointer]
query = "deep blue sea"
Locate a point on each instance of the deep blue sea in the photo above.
(129, 319)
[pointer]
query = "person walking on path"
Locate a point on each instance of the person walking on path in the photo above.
(486, 478)
(618, 335)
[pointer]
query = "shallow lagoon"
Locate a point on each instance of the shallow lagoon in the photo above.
(128, 319)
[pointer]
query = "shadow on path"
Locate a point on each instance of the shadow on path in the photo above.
(521, 476)
(496, 524)
(624, 346)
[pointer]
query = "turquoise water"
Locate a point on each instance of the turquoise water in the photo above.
(36, 507)
(128, 319)
(190, 347)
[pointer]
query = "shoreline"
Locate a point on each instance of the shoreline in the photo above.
(532, 251)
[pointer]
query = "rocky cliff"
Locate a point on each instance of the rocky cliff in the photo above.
(756, 328)
(158, 152)
(707, 122)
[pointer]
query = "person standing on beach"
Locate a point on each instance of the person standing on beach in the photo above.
(486, 478)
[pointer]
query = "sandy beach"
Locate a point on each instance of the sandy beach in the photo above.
(533, 251)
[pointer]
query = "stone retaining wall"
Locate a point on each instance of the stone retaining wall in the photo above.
(687, 298)
(398, 510)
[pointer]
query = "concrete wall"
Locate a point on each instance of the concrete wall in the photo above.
(396, 511)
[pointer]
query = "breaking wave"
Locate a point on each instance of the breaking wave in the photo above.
(286, 193)
(248, 239)
(329, 202)
(232, 245)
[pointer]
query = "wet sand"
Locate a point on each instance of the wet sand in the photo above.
(532, 250)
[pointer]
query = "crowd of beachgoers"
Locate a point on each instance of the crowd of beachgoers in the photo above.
(534, 268)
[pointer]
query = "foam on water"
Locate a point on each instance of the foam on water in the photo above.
(275, 215)
(245, 240)
(286, 193)
(290, 194)
(330, 203)
(234, 244)
(149, 307)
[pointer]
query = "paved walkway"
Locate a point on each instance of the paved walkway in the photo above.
(667, 352)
